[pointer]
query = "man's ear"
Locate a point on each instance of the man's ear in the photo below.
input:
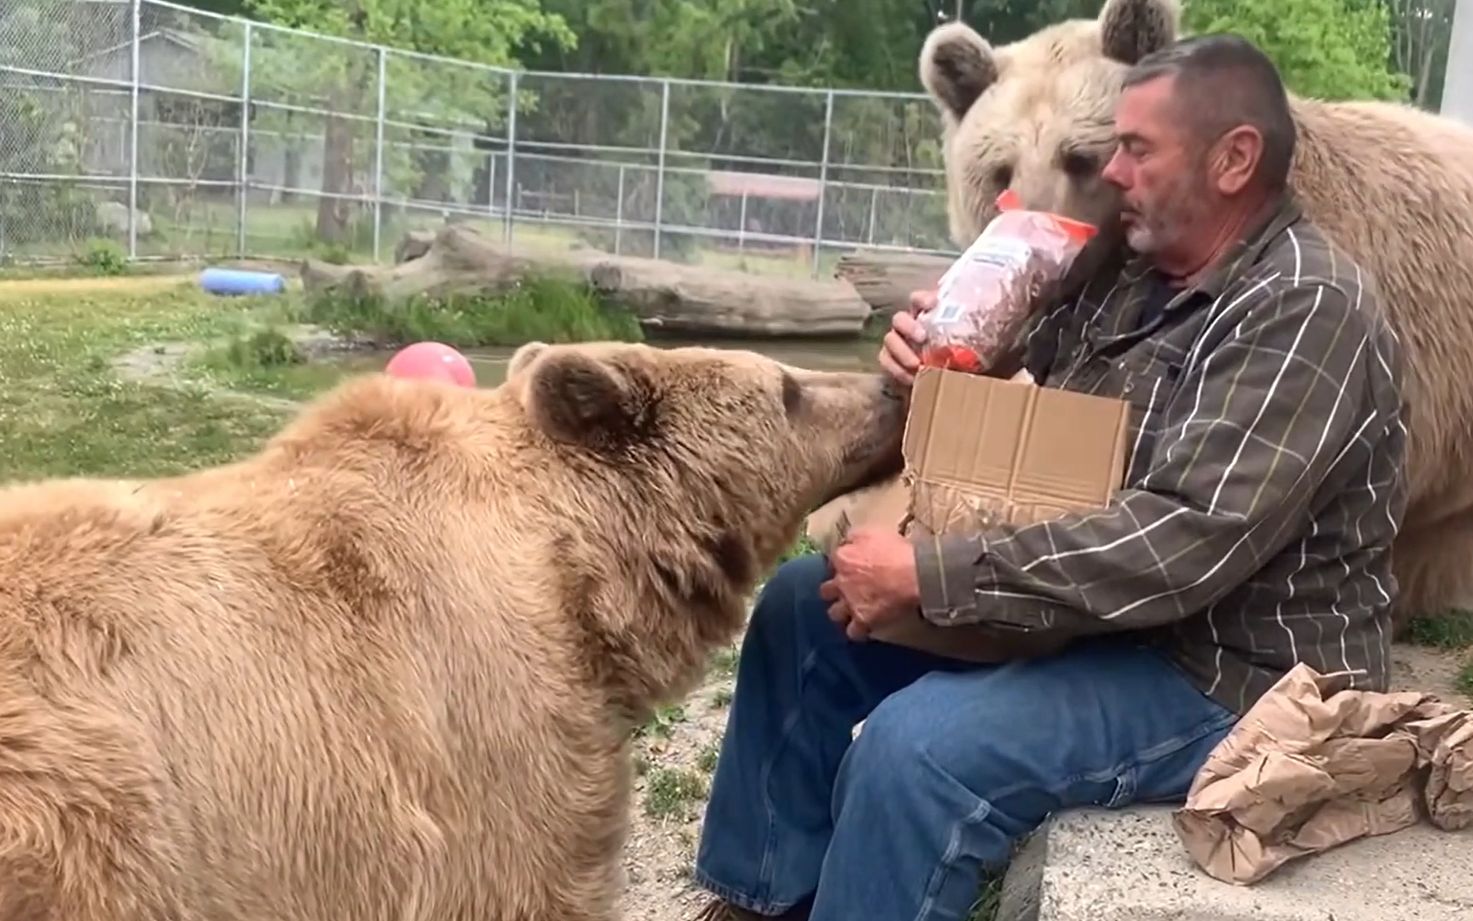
(1235, 159)
(576, 398)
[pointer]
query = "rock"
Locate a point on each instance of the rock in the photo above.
(1128, 865)
(112, 218)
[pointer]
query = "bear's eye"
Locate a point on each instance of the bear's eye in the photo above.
(1081, 165)
(1003, 176)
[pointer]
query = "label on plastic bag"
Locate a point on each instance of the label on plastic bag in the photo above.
(1003, 253)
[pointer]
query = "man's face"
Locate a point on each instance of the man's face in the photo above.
(1160, 171)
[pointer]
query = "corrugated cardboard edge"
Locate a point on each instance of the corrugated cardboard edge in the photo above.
(979, 643)
(918, 427)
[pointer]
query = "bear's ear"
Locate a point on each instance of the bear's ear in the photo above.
(575, 397)
(1132, 29)
(523, 356)
(957, 66)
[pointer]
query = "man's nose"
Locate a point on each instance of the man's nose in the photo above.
(1115, 171)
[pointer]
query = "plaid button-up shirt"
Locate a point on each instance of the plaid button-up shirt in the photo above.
(1264, 483)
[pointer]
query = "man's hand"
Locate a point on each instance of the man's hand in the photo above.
(898, 352)
(874, 582)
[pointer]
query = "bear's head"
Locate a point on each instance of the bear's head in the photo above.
(724, 448)
(1037, 115)
(682, 475)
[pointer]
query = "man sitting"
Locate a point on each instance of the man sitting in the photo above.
(1262, 496)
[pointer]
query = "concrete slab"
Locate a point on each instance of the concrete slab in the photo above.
(1128, 865)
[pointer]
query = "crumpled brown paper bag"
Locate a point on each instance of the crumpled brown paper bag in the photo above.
(1314, 765)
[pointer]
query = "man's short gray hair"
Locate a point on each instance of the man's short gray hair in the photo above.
(1223, 81)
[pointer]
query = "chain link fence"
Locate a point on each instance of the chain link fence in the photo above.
(168, 132)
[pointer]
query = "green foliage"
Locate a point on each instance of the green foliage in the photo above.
(673, 793)
(265, 348)
(1326, 49)
(662, 724)
(423, 97)
(103, 257)
(485, 31)
(989, 899)
(802, 547)
(44, 131)
(547, 310)
(1449, 630)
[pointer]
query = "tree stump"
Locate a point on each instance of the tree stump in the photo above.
(885, 280)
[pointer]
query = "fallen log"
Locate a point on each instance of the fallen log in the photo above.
(885, 280)
(415, 244)
(666, 297)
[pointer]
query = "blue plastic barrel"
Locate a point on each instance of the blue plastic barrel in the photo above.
(240, 281)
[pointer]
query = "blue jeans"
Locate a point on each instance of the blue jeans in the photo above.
(954, 764)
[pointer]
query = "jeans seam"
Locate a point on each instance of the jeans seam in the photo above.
(948, 857)
(1155, 753)
(764, 868)
(734, 897)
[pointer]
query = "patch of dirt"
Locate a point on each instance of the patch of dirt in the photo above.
(158, 364)
(1434, 671)
(120, 284)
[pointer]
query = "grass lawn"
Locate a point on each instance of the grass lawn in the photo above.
(64, 410)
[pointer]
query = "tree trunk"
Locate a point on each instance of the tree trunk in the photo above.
(337, 178)
(666, 297)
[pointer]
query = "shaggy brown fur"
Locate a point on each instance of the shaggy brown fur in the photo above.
(1392, 184)
(387, 667)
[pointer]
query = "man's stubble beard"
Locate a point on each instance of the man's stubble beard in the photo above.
(1177, 212)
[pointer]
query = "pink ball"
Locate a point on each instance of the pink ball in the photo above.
(432, 361)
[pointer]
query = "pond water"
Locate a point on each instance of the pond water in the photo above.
(819, 355)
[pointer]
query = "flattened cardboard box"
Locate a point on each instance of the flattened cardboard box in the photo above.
(981, 451)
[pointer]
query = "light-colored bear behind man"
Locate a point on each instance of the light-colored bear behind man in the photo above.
(1391, 184)
(387, 668)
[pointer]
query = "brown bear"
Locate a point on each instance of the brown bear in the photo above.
(388, 667)
(1393, 185)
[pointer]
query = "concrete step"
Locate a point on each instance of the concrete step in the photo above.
(1128, 865)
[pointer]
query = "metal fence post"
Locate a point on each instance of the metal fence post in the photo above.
(511, 163)
(243, 172)
(660, 171)
(742, 224)
(823, 179)
(1457, 91)
(874, 206)
(136, 15)
(619, 212)
(378, 157)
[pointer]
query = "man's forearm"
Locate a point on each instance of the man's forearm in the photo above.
(1145, 562)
